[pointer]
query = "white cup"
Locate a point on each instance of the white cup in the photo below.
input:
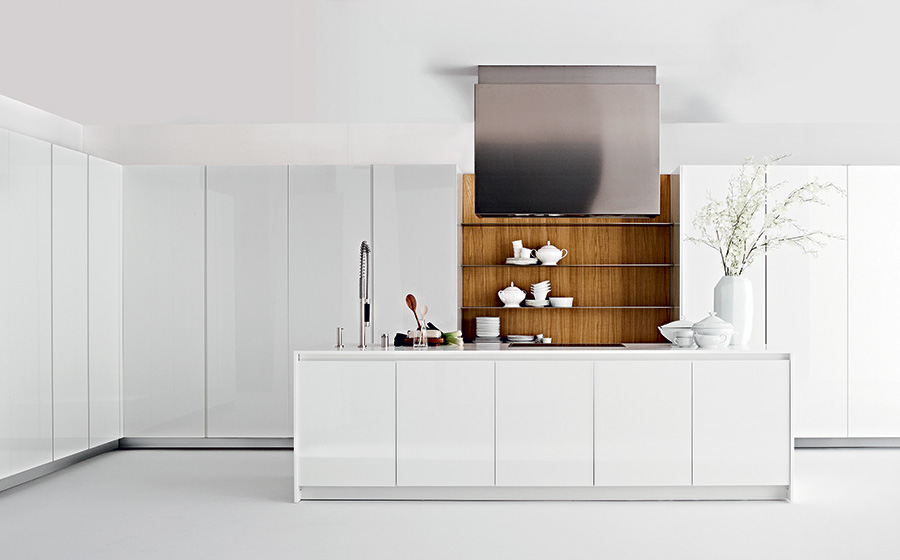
(525, 253)
(684, 341)
(548, 340)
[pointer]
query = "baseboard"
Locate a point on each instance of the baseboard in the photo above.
(844, 443)
(53, 466)
(205, 443)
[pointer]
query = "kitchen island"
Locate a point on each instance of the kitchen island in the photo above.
(640, 422)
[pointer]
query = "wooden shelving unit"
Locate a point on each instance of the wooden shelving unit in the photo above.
(619, 270)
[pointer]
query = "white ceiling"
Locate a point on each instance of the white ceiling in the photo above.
(406, 61)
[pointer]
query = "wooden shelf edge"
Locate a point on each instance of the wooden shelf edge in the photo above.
(534, 224)
(573, 307)
(660, 265)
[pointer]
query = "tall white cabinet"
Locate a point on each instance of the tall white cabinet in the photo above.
(70, 302)
(26, 423)
(874, 301)
(330, 215)
(806, 306)
(104, 299)
(248, 356)
(164, 293)
(415, 232)
(701, 266)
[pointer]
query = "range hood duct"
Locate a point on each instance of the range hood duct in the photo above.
(567, 141)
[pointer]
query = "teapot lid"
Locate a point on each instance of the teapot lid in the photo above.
(549, 246)
(511, 288)
(712, 322)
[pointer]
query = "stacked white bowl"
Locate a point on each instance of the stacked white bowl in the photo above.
(487, 329)
(540, 290)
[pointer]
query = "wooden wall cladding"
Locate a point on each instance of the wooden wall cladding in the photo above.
(619, 270)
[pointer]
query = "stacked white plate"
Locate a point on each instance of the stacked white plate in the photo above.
(537, 303)
(520, 337)
(540, 290)
(487, 328)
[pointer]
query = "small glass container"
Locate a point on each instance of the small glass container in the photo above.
(420, 338)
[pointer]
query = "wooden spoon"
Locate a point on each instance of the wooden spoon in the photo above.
(424, 311)
(411, 303)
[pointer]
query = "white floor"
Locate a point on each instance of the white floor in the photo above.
(237, 504)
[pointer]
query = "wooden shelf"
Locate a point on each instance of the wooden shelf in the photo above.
(522, 222)
(529, 266)
(503, 308)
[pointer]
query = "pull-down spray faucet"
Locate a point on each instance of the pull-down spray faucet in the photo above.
(364, 273)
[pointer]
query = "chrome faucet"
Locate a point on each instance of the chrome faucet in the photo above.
(364, 273)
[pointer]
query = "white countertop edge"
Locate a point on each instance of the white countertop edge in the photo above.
(479, 352)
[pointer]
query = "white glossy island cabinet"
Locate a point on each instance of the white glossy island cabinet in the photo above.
(643, 422)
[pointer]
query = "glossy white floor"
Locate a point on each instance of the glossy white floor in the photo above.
(237, 504)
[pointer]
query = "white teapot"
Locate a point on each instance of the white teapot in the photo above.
(511, 296)
(549, 255)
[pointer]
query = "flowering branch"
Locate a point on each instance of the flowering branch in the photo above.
(740, 227)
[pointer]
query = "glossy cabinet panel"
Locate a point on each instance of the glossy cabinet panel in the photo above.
(163, 285)
(344, 432)
(742, 423)
(26, 420)
(874, 301)
(642, 423)
(701, 266)
(445, 423)
(806, 306)
(544, 417)
(415, 240)
(330, 215)
(248, 358)
(70, 302)
(104, 299)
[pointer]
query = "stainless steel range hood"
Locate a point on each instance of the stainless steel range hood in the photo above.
(567, 141)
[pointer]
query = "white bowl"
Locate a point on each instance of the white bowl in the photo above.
(668, 330)
(561, 301)
(712, 340)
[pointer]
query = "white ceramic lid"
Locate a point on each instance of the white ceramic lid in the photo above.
(713, 323)
(681, 324)
(512, 289)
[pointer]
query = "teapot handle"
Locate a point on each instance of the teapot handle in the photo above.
(500, 294)
(564, 253)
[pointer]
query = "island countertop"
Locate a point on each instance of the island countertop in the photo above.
(502, 351)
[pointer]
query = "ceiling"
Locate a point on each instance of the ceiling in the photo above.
(404, 61)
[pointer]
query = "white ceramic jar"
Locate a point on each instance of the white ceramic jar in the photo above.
(713, 326)
(511, 296)
(550, 255)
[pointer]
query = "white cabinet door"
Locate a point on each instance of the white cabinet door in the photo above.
(445, 423)
(642, 423)
(544, 417)
(415, 245)
(248, 359)
(104, 299)
(330, 215)
(25, 314)
(742, 423)
(163, 284)
(701, 266)
(70, 302)
(345, 430)
(806, 307)
(874, 301)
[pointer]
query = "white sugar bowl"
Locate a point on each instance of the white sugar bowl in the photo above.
(511, 296)
(550, 255)
(714, 326)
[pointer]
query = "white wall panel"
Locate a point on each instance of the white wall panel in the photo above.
(806, 306)
(163, 283)
(248, 358)
(70, 302)
(26, 423)
(874, 301)
(104, 299)
(415, 235)
(330, 215)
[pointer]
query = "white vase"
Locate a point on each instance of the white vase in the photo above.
(733, 302)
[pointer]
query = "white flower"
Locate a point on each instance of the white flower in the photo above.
(742, 226)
